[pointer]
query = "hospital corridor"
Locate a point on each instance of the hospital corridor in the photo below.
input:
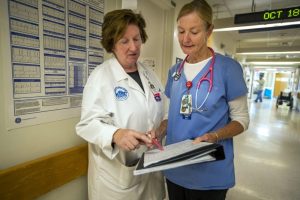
(267, 155)
(90, 88)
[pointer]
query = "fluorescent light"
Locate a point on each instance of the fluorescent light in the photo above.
(268, 53)
(275, 63)
(238, 28)
(275, 68)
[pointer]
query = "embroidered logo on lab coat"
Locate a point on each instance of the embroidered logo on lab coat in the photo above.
(121, 93)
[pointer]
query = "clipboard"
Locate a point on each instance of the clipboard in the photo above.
(177, 155)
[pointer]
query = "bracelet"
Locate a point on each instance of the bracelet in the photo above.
(216, 134)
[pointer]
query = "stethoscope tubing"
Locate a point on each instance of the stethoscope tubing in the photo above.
(203, 78)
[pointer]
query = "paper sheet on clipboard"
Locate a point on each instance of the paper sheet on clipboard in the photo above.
(179, 154)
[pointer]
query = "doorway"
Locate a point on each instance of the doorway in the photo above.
(282, 82)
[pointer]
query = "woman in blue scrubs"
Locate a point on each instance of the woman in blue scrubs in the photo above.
(208, 102)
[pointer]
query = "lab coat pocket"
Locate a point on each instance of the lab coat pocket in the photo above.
(118, 174)
(126, 177)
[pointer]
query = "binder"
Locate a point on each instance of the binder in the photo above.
(177, 155)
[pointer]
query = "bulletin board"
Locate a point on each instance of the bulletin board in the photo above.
(55, 45)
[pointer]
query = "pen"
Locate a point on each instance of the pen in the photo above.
(157, 144)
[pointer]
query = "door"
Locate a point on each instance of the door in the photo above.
(281, 83)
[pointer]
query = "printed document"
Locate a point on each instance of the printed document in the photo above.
(177, 155)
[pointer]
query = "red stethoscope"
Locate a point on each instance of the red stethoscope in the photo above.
(205, 77)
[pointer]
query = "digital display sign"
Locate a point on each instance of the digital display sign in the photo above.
(269, 15)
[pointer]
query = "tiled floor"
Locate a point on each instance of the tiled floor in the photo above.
(267, 155)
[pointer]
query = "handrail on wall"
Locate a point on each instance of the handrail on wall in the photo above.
(37, 177)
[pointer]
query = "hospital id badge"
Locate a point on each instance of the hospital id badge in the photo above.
(186, 106)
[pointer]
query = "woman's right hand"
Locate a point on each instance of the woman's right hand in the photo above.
(130, 140)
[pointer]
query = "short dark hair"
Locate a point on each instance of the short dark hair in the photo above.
(261, 74)
(115, 24)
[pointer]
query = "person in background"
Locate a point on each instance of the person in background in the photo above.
(260, 88)
(208, 102)
(122, 101)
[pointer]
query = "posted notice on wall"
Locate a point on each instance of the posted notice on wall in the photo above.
(55, 45)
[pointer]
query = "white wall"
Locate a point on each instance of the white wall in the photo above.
(154, 27)
(24, 144)
(177, 52)
(223, 43)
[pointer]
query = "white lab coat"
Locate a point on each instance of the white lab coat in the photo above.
(104, 110)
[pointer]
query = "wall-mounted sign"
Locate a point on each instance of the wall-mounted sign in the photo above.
(269, 15)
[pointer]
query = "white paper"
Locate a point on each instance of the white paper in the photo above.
(190, 161)
(170, 151)
(55, 45)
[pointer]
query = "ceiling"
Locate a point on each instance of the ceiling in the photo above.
(278, 40)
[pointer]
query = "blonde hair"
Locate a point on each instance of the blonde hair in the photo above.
(201, 7)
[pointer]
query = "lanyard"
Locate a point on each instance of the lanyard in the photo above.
(154, 91)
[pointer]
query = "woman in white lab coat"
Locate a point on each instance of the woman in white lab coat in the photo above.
(122, 101)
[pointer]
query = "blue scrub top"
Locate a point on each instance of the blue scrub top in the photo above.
(228, 84)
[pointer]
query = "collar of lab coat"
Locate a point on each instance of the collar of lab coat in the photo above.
(120, 75)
